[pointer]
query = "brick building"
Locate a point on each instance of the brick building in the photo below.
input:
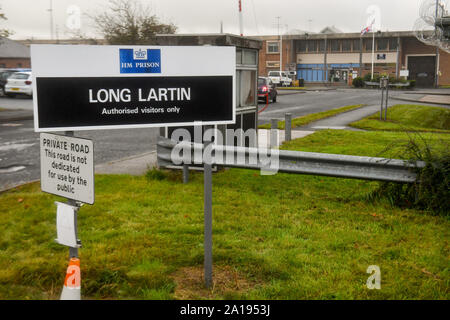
(338, 57)
(14, 54)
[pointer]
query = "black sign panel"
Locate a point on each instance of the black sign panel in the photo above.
(129, 101)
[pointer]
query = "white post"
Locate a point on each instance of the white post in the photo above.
(241, 26)
(281, 55)
(373, 52)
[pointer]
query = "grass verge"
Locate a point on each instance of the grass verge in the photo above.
(407, 117)
(304, 120)
(291, 88)
(275, 237)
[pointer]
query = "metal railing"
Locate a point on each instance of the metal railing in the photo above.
(312, 163)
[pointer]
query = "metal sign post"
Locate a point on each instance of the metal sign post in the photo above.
(207, 179)
(384, 85)
(73, 251)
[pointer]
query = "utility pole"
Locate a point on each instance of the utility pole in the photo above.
(281, 46)
(241, 26)
(436, 77)
(51, 18)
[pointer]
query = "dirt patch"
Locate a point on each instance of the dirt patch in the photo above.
(190, 283)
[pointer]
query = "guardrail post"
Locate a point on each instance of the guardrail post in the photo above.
(185, 173)
(287, 126)
(273, 133)
(207, 181)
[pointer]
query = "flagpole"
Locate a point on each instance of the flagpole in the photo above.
(373, 52)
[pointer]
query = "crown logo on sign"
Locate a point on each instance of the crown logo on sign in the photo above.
(140, 54)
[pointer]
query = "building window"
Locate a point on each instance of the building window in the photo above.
(382, 44)
(247, 91)
(19, 65)
(2, 65)
(273, 64)
(356, 45)
(301, 46)
(249, 57)
(393, 44)
(312, 46)
(273, 47)
(238, 56)
(322, 45)
(335, 46)
(346, 45)
(368, 44)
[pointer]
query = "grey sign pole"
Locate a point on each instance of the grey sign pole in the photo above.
(273, 133)
(387, 100)
(382, 101)
(73, 251)
(207, 180)
(287, 126)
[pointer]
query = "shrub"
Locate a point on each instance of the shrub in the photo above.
(412, 83)
(367, 77)
(431, 191)
(358, 82)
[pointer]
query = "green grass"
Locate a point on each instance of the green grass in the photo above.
(275, 237)
(304, 120)
(291, 88)
(406, 117)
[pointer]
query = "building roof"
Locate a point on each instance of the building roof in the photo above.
(13, 49)
(218, 39)
(331, 29)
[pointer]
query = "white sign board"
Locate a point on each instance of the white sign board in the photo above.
(111, 87)
(66, 224)
(67, 167)
(404, 73)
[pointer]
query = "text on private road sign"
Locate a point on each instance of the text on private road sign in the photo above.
(67, 167)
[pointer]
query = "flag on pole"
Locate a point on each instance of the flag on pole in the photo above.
(368, 28)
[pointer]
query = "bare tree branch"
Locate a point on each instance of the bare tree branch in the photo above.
(128, 22)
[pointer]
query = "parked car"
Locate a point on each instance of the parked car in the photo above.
(280, 78)
(266, 88)
(19, 83)
(4, 75)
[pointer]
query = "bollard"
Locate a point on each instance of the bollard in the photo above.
(273, 133)
(288, 126)
(382, 101)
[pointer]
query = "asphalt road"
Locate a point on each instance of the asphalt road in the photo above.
(300, 104)
(19, 144)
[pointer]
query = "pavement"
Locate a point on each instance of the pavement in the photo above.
(15, 115)
(422, 97)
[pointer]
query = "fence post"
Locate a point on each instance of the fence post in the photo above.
(382, 101)
(288, 126)
(207, 191)
(273, 133)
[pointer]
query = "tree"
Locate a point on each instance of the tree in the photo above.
(128, 22)
(4, 33)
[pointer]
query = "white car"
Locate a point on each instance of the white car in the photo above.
(19, 83)
(283, 80)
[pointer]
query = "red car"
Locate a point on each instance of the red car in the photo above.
(266, 89)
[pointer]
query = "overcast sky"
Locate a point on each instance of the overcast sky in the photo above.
(31, 18)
